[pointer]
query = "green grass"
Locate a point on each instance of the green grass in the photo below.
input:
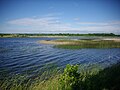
(23, 82)
(89, 44)
(74, 77)
(94, 79)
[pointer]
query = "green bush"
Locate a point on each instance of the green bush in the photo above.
(94, 79)
(70, 79)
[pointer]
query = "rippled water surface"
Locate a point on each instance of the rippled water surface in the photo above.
(20, 55)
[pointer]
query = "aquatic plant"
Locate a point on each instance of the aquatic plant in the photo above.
(71, 79)
(89, 44)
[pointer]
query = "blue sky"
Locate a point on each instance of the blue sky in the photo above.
(60, 16)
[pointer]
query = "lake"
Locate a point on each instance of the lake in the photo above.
(26, 55)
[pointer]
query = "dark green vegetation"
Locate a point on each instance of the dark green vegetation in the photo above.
(59, 34)
(106, 79)
(78, 44)
(72, 78)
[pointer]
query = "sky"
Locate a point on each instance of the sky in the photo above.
(60, 16)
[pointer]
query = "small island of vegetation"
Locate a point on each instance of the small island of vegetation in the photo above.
(78, 44)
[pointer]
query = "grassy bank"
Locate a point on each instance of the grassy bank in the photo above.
(94, 79)
(78, 44)
(72, 78)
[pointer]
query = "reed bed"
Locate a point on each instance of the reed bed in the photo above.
(92, 78)
(79, 44)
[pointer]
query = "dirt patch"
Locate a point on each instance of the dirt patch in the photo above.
(113, 39)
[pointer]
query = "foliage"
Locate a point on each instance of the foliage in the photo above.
(70, 78)
(106, 79)
(57, 34)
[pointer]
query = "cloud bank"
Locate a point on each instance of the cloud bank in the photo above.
(52, 24)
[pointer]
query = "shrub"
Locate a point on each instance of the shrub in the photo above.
(70, 79)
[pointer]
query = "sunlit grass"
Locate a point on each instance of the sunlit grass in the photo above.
(94, 79)
(79, 44)
(50, 84)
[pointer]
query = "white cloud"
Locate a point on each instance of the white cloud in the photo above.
(41, 24)
(91, 23)
(99, 23)
(34, 21)
(55, 24)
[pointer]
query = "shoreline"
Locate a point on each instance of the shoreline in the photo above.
(34, 37)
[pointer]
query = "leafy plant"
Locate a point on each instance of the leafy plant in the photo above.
(70, 79)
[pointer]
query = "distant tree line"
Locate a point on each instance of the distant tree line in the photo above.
(59, 34)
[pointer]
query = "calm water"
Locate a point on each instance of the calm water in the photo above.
(20, 55)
